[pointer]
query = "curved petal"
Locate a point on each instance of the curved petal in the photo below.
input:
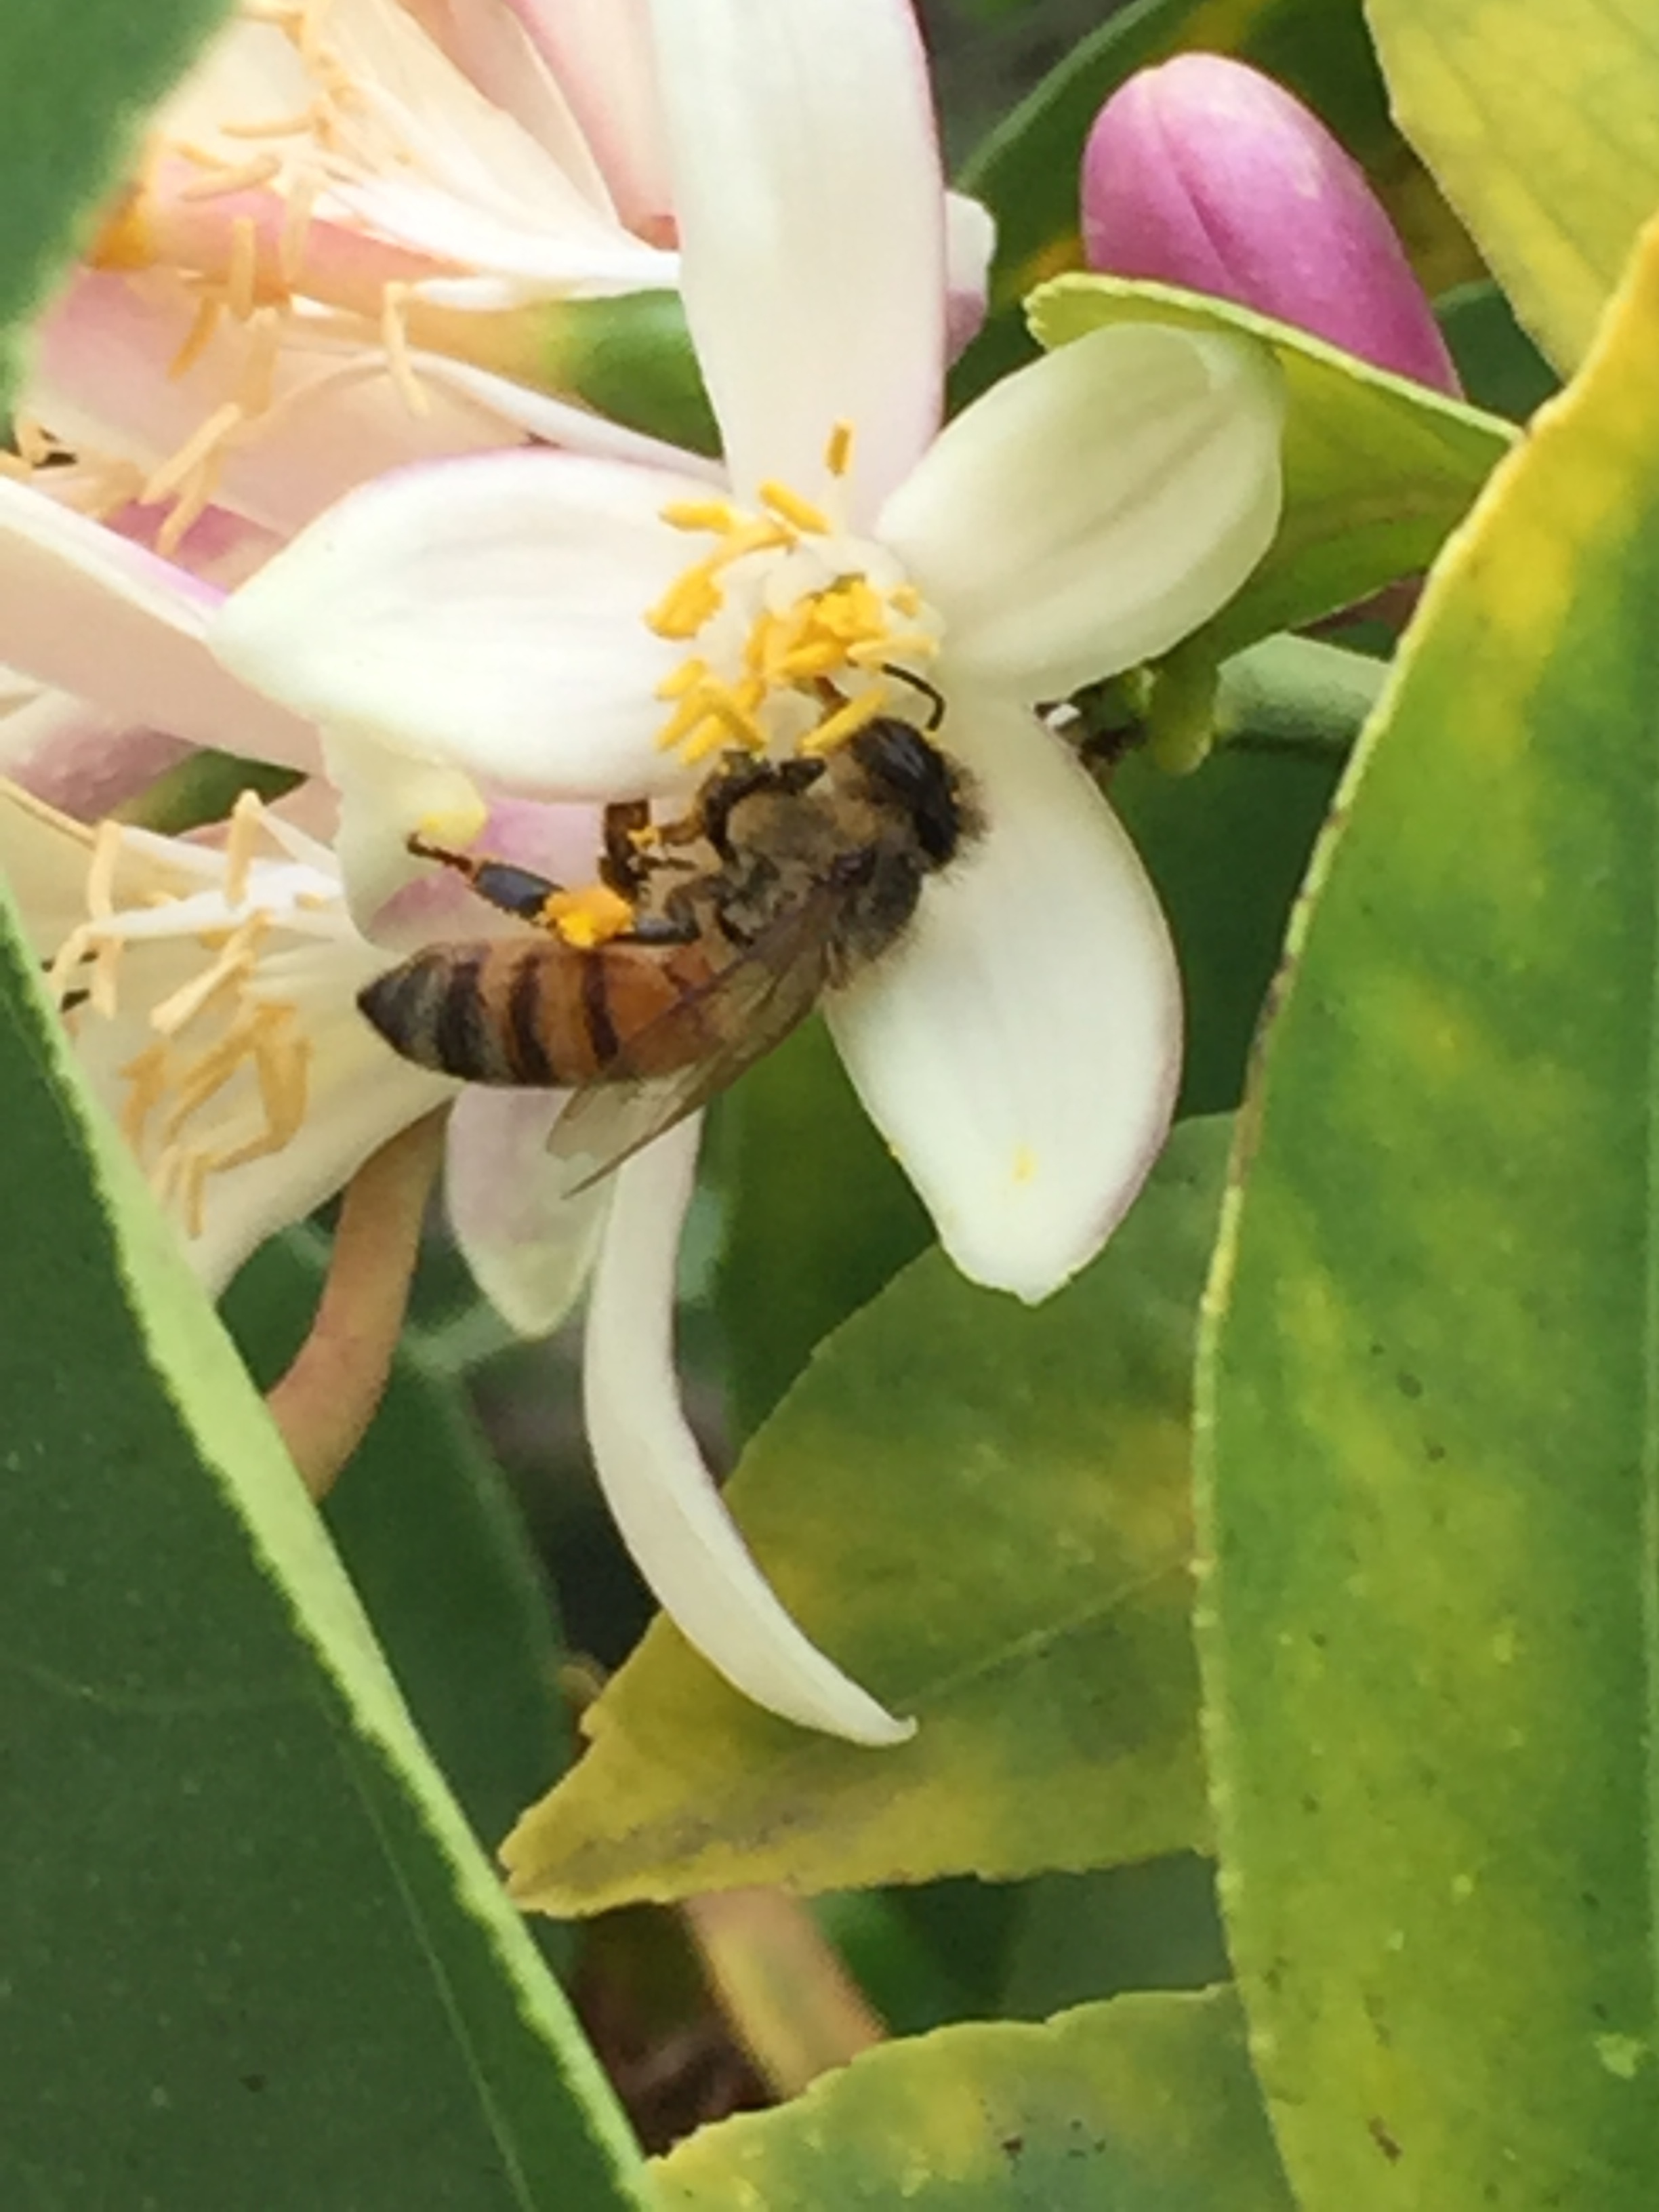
(530, 1248)
(484, 614)
(601, 53)
(812, 220)
(1091, 509)
(970, 239)
(1020, 1049)
(75, 758)
(561, 422)
(666, 1505)
(84, 610)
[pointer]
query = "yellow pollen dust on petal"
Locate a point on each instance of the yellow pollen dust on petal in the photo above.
(588, 917)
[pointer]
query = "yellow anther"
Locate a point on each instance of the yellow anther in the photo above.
(691, 602)
(248, 177)
(247, 820)
(203, 442)
(242, 278)
(717, 515)
(394, 342)
(905, 599)
(899, 645)
(688, 715)
(209, 312)
(710, 736)
(100, 875)
(790, 507)
(838, 452)
(588, 917)
(847, 720)
(686, 678)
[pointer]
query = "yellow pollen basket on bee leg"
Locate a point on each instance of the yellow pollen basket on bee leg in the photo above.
(823, 651)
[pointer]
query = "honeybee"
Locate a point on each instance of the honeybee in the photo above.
(785, 879)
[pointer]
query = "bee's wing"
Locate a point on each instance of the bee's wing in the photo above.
(752, 1003)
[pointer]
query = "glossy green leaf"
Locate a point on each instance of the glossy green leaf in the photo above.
(1026, 172)
(1081, 1937)
(1377, 470)
(1145, 2105)
(75, 84)
(437, 1552)
(253, 1955)
(1430, 1622)
(1502, 370)
(801, 1251)
(1536, 116)
(980, 1510)
(1227, 848)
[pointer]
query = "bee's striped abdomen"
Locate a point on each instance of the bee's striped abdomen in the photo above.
(467, 1010)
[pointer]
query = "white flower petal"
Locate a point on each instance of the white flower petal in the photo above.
(1020, 1049)
(669, 1511)
(811, 222)
(487, 614)
(569, 251)
(1093, 508)
(531, 1249)
(84, 610)
(561, 422)
(602, 55)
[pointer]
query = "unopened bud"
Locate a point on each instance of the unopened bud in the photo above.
(1205, 174)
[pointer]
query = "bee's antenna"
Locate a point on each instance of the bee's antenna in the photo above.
(929, 691)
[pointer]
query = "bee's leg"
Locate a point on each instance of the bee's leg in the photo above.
(625, 862)
(515, 890)
(743, 777)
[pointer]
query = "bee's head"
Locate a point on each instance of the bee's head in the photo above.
(906, 771)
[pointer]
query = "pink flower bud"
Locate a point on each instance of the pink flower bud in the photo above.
(1205, 174)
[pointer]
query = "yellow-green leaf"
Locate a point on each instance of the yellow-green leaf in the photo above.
(1377, 470)
(1538, 118)
(980, 1510)
(1430, 1628)
(1143, 2105)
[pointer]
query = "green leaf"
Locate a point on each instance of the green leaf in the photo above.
(1502, 370)
(980, 1510)
(1377, 470)
(1079, 1936)
(1145, 2105)
(1536, 116)
(438, 1554)
(1429, 1626)
(75, 84)
(801, 1252)
(245, 1928)
(1026, 172)
(1227, 848)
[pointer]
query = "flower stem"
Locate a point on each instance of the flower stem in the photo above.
(325, 1402)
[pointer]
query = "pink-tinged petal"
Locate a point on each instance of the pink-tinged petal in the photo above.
(671, 1515)
(487, 614)
(84, 763)
(970, 239)
(103, 379)
(601, 53)
(1020, 1049)
(84, 610)
(1093, 508)
(570, 251)
(531, 1249)
(500, 55)
(812, 222)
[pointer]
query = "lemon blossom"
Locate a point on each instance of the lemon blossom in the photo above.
(564, 626)
(353, 241)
